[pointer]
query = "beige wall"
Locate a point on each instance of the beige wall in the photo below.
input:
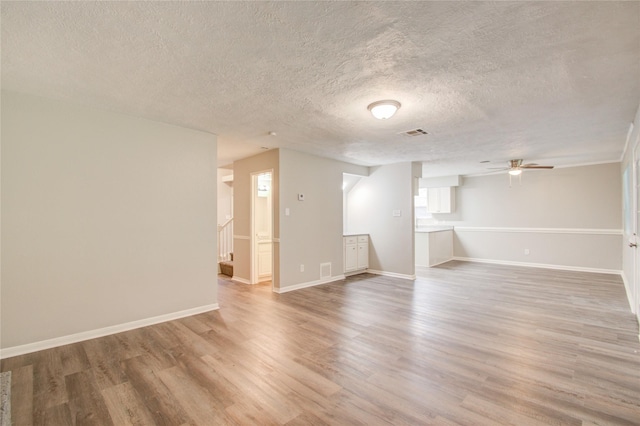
(371, 204)
(106, 220)
(242, 171)
(312, 233)
(566, 217)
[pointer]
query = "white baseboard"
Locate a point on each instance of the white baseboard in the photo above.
(308, 284)
(540, 265)
(240, 280)
(356, 272)
(392, 274)
(627, 290)
(92, 334)
(581, 231)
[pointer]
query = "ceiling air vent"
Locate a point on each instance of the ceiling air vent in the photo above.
(414, 132)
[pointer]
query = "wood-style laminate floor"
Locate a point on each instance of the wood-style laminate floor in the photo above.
(468, 344)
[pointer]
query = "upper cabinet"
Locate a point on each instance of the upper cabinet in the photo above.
(441, 200)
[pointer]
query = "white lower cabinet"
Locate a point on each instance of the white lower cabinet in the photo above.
(356, 253)
(350, 256)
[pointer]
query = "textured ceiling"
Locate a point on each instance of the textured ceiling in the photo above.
(551, 82)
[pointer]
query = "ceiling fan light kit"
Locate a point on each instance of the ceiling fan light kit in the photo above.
(516, 167)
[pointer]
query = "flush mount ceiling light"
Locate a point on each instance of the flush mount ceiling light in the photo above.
(384, 109)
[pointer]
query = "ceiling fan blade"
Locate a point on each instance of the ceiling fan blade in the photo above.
(497, 168)
(529, 165)
(526, 166)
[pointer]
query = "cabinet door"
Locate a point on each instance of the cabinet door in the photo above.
(433, 200)
(439, 200)
(350, 257)
(363, 255)
(445, 199)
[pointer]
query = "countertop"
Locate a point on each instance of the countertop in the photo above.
(434, 228)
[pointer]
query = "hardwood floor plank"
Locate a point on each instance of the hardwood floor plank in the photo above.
(219, 388)
(195, 400)
(250, 412)
(465, 344)
(49, 380)
(501, 413)
(22, 407)
(58, 415)
(155, 395)
(73, 359)
(255, 388)
(104, 361)
(150, 345)
(86, 404)
(125, 406)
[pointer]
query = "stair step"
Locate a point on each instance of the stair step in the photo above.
(226, 268)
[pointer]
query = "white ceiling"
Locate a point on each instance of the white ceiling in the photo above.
(551, 82)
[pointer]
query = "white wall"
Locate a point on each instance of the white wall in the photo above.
(632, 284)
(566, 217)
(107, 220)
(372, 202)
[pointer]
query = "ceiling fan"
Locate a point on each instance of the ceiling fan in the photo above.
(516, 167)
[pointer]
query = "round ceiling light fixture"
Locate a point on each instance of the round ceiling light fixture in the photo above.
(515, 172)
(383, 110)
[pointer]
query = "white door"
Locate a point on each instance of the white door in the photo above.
(261, 227)
(635, 285)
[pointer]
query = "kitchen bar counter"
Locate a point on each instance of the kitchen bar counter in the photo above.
(433, 245)
(434, 228)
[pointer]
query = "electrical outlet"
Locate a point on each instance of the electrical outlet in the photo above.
(526, 252)
(301, 267)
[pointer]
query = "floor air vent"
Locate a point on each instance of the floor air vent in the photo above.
(325, 270)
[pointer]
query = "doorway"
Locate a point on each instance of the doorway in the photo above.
(261, 227)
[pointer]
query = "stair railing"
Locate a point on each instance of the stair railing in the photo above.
(225, 241)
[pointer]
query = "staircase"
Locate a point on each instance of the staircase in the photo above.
(226, 266)
(225, 247)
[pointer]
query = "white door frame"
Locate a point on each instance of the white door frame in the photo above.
(253, 250)
(635, 189)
